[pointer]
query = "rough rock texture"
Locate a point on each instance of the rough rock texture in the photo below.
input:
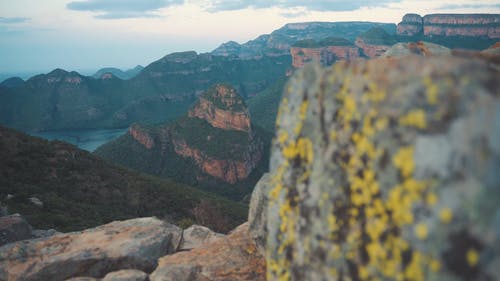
(257, 213)
(474, 25)
(13, 228)
(374, 42)
(228, 170)
(411, 25)
(136, 243)
(372, 50)
(126, 275)
(324, 55)
(416, 48)
(387, 169)
(223, 108)
(196, 236)
(141, 136)
(230, 258)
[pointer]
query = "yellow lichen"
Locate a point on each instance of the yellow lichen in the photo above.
(421, 231)
(446, 215)
(472, 257)
(415, 118)
(403, 160)
(431, 91)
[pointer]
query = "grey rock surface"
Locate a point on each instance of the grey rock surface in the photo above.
(13, 228)
(130, 244)
(257, 213)
(196, 236)
(387, 169)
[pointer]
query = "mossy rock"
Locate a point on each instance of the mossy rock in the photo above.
(387, 170)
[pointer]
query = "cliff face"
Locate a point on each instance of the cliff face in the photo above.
(371, 50)
(222, 108)
(141, 136)
(374, 42)
(215, 140)
(411, 25)
(227, 170)
(470, 25)
(324, 55)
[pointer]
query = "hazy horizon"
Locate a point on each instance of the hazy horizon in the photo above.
(84, 36)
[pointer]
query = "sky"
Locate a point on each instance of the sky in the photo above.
(85, 35)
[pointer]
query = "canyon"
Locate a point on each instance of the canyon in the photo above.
(469, 25)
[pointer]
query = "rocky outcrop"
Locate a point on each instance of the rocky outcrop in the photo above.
(223, 108)
(234, 257)
(279, 42)
(325, 55)
(126, 275)
(141, 136)
(197, 236)
(472, 25)
(136, 244)
(322, 52)
(257, 212)
(228, 170)
(13, 228)
(416, 48)
(411, 25)
(391, 174)
(374, 42)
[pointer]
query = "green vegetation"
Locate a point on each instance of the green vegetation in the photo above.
(212, 95)
(264, 106)
(218, 143)
(163, 91)
(453, 42)
(377, 36)
(330, 41)
(80, 190)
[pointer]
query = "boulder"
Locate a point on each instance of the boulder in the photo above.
(257, 213)
(234, 257)
(387, 170)
(196, 236)
(416, 48)
(131, 244)
(82, 279)
(126, 275)
(13, 228)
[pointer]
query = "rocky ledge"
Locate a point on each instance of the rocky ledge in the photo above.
(130, 250)
(473, 25)
(223, 108)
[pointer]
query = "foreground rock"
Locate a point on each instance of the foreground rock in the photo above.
(234, 258)
(13, 228)
(136, 243)
(257, 212)
(416, 48)
(126, 275)
(196, 236)
(387, 170)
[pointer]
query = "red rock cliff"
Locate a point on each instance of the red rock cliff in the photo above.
(473, 25)
(324, 55)
(141, 136)
(228, 170)
(371, 50)
(222, 108)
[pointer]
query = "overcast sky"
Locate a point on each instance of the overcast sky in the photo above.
(85, 35)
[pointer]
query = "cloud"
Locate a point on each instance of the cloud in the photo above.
(119, 9)
(13, 20)
(292, 15)
(468, 6)
(312, 5)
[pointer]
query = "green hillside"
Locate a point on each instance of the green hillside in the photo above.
(80, 190)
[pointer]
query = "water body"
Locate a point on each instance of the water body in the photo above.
(88, 139)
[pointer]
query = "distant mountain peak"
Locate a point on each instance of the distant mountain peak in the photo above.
(223, 108)
(181, 57)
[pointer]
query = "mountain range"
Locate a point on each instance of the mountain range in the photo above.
(124, 75)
